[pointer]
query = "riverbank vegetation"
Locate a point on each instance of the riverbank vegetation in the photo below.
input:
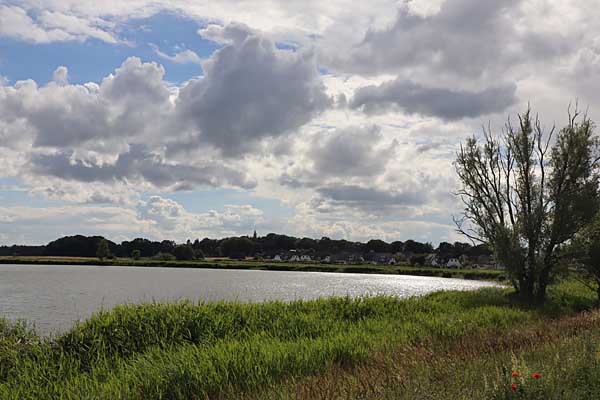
(463, 343)
(271, 247)
(224, 263)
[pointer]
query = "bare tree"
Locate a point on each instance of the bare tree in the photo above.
(526, 197)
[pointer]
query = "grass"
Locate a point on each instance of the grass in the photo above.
(564, 352)
(443, 345)
(223, 263)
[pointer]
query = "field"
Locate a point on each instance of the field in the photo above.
(444, 345)
(224, 263)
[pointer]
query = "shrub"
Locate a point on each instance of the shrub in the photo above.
(164, 257)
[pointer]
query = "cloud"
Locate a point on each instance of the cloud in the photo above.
(183, 57)
(355, 152)
(169, 216)
(417, 78)
(371, 198)
(15, 23)
(251, 90)
(49, 26)
(132, 103)
(80, 29)
(61, 76)
(37, 225)
(140, 166)
(462, 37)
(443, 103)
(157, 218)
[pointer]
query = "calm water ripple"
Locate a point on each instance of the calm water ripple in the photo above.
(52, 297)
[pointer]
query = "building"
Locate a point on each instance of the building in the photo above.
(453, 263)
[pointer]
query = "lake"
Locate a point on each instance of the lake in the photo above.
(53, 297)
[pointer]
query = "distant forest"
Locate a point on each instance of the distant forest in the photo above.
(237, 247)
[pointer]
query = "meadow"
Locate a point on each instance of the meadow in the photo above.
(439, 346)
(225, 263)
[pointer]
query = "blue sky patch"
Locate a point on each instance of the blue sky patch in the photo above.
(94, 59)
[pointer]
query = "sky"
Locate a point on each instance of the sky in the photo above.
(188, 119)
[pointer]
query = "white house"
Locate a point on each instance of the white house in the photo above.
(454, 263)
(305, 257)
(294, 258)
(277, 257)
(432, 260)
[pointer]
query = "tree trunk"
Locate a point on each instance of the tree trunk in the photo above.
(542, 285)
(528, 289)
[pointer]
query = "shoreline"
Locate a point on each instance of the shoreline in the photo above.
(469, 274)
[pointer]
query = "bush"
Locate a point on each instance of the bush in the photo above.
(164, 257)
(184, 252)
(136, 254)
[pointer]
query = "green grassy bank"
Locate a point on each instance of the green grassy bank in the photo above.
(220, 263)
(331, 348)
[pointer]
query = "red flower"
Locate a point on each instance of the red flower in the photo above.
(536, 376)
(514, 387)
(516, 374)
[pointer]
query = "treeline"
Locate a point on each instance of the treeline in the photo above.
(237, 247)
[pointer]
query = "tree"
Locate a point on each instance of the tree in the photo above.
(77, 246)
(199, 254)
(184, 252)
(102, 252)
(237, 247)
(167, 246)
(527, 198)
(378, 246)
(586, 249)
(136, 254)
(417, 247)
(397, 246)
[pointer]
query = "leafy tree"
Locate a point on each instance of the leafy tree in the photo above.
(136, 254)
(77, 246)
(378, 246)
(586, 249)
(145, 246)
(184, 252)
(417, 247)
(208, 246)
(103, 251)
(446, 250)
(307, 244)
(527, 198)
(167, 246)
(237, 247)
(199, 254)
(397, 246)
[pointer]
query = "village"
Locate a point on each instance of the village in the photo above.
(482, 261)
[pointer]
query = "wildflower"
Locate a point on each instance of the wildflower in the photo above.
(516, 374)
(514, 387)
(536, 375)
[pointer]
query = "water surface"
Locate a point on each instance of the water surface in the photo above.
(52, 297)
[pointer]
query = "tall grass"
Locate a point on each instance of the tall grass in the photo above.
(224, 349)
